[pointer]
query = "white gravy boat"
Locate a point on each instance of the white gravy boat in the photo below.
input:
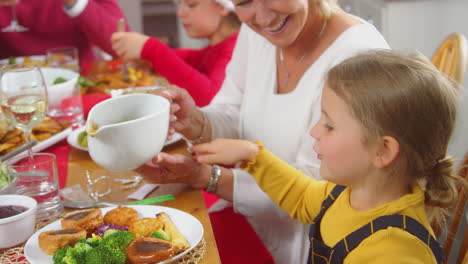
(126, 131)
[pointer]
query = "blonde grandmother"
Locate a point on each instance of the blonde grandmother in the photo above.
(271, 93)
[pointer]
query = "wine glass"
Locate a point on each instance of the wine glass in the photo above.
(23, 96)
(14, 24)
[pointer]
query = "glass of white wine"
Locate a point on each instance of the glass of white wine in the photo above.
(23, 96)
(14, 24)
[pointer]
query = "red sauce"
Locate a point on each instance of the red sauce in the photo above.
(11, 210)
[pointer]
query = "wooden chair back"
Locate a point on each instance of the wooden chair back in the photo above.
(451, 57)
(458, 213)
(463, 253)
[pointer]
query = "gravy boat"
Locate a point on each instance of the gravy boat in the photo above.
(127, 131)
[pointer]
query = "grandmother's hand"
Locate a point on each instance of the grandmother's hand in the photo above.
(176, 168)
(128, 45)
(183, 110)
(225, 151)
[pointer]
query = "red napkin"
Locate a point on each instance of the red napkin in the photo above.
(90, 100)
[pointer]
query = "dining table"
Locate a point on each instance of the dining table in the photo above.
(235, 242)
(188, 200)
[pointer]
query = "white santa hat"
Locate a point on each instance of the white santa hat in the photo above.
(226, 4)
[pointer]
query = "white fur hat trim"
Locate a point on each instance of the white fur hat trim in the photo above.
(226, 4)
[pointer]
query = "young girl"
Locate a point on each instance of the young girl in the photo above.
(200, 72)
(382, 141)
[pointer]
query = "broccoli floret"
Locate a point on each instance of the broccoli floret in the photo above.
(59, 255)
(92, 241)
(105, 255)
(72, 255)
(119, 239)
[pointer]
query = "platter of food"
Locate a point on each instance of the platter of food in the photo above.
(134, 76)
(47, 133)
(143, 233)
(78, 139)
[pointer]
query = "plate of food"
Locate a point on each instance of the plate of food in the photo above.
(126, 234)
(78, 138)
(47, 133)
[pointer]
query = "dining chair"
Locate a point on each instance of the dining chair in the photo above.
(451, 57)
(463, 253)
(458, 215)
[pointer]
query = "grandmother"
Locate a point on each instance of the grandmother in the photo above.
(271, 93)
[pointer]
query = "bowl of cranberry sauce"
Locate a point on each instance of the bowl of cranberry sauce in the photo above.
(17, 219)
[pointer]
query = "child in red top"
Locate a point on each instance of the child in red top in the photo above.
(201, 72)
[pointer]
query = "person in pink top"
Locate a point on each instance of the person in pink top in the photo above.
(59, 23)
(200, 71)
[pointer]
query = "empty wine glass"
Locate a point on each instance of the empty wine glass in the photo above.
(14, 24)
(23, 96)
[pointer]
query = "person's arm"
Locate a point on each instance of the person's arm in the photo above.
(201, 86)
(97, 19)
(293, 191)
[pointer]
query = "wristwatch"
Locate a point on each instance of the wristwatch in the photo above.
(214, 179)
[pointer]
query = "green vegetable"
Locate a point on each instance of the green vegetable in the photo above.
(72, 255)
(109, 231)
(59, 80)
(105, 255)
(83, 139)
(11, 60)
(6, 175)
(59, 255)
(92, 241)
(85, 82)
(119, 239)
(161, 234)
(109, 250)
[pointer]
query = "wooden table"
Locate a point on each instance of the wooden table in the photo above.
(187, 199)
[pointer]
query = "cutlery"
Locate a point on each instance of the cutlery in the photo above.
(19, 150)
(125, 65)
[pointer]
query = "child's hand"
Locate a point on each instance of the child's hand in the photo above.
(225, 151)
(128, 45)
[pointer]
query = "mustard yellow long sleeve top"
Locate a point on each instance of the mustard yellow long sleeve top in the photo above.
(301, 197)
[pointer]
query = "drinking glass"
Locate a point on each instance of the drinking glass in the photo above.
(63, 57)
(14, 24)
(38, 178)
(23, 96)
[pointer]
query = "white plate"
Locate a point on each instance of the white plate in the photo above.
(43, 144)
(34, 58)
(188, 226)
(73, 139)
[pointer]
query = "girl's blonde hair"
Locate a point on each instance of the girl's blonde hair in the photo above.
(407, 98)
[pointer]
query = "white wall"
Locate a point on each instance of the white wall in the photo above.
(133, 13)
(422, 25)
(455, 19)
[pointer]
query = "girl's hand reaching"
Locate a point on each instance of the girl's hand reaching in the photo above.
(225, 151)
(128, 45)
